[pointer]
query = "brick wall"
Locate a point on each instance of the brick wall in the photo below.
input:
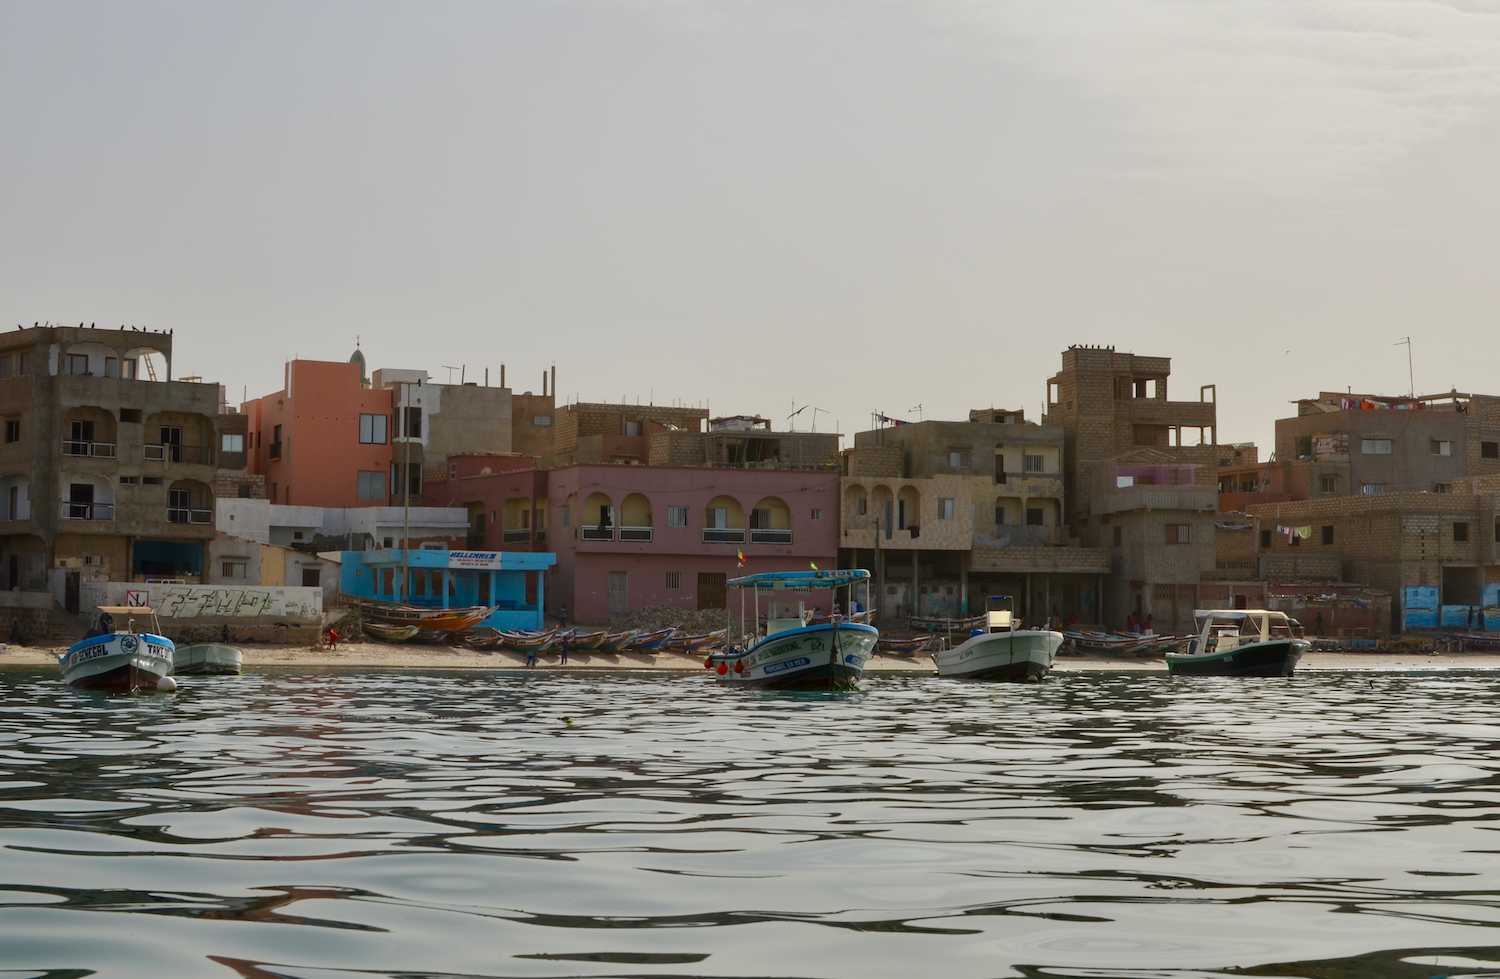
(227, 483)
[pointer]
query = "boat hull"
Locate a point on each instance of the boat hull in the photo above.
(1277, 657)
(122, 661)
(802, 659)
(207, 658)
(1022, 655)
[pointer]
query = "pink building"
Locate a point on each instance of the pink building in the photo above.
(632, 536)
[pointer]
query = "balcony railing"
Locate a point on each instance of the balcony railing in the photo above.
(635, 533)
(598, 533)
(196, 455)
(768, 536)
(274, 450)
(723, 535)
(522, 536)
(192, 515)
(88, 511)
(80, 447)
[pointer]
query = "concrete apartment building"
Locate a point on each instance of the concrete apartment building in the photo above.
(1140, 471)
(946, 512)
(109, 469)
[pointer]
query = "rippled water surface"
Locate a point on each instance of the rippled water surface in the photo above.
(365, 824)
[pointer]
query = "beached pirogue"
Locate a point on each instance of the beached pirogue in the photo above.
(795, 653)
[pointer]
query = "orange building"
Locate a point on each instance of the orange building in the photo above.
(325, 439)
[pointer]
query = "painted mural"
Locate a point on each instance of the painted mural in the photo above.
(184, 602)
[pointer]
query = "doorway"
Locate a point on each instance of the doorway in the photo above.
(619, 593)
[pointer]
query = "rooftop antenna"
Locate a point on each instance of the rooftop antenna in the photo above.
(450, 371)
(918, 410)
(1410, 377)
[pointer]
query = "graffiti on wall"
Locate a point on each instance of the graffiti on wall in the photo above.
(211, 601)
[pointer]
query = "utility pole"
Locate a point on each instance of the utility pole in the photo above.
(1410, 377)
(406, 490)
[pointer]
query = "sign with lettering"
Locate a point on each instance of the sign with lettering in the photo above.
(475, 560)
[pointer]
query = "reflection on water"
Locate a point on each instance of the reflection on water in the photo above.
(382, 824)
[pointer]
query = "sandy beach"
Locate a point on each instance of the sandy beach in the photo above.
(420, 657)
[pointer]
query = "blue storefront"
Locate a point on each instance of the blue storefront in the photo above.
(514, 581)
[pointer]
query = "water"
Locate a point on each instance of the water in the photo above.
(371, 824)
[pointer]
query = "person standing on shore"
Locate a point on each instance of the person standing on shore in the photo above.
(333, 639)
(564, 652)
(562, 617)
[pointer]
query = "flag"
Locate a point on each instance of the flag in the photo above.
(814, 566)
(741, 556)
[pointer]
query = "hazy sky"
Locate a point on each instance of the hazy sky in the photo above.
(855, 205)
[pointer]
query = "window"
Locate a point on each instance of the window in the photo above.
(1179, 533)
(1372, 489)
(1117, 536)
(372, 429)
(1328, 535)
(1376, 447)
(1328, 483)
(861, 505)
(231, 442)
(999, 516)
(12, 429)
(234, 570)
(111, 367)
(78, 364)
(413, 478)
(542, 421)
(130, 415)
(24, 362)
(372, 485)
(1034, 517)
(1460, 531)
(1487, 450)
(130, 480)
(760, 519)
(5, 366)
(1121, 482)
(1265, 538)
(389, 542)
(155, 480)
(716, 517)
(959, 459)
(945, 509)
(1034, 464)
(127, 368)
(414, 423)
(311, 577)
(1442, 447)
(674, 581)
(817, 514)
(452, 470)
(1442, 487)
(244, 491)
(632, 429)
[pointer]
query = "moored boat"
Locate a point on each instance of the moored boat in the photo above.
(647, 642)
(386, 632)
(118, 660)
(1240, 642)
(904, 647)
(693, 644)
(793, 654)
(1000, 651)
(924, 623)
(208, 658)
(1109, 642)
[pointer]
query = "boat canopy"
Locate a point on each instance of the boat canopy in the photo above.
(777, 580)
(1239, 614)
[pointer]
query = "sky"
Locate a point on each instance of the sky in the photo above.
(764, 205)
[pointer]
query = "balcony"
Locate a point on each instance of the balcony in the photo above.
(768, 536)
(635, 533)
(189, 515)
(274, 450)
(723, 535)
(195, 455)
(522, 536)
(96, 450)
(598, 533)
(88, 511)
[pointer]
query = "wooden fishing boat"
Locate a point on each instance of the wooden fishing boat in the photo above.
(527, 641)
(118, 659)
(1473, 640)
(445, 619)
(1240, 642)
(904, 647)
(208, 658)
(585, 641)
(1001, 651)
(649, 641)
(616, 642)
(791, 654)
(386, 632)
(1109, 642)
(475, 639)
(693, 644)
(930, 624)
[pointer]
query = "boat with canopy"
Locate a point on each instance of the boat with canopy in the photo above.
(1001, 650)
(119, 659)
(1240, 642)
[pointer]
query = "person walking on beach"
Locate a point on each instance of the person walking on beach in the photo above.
(1318, 625)
(333, 638)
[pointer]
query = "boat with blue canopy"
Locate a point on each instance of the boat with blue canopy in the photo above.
(795, 647)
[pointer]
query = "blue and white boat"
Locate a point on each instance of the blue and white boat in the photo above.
(118, 660)
(794, 652)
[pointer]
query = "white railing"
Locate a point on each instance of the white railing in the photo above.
(189, 515)
(88, 511)
(80, 447)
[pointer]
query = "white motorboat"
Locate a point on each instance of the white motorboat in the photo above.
(1000, 651)
(208, 658)
(123, 659)
(796, 653)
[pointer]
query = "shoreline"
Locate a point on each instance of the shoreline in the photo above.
(384, 655)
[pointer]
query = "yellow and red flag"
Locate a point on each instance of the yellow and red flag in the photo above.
(741, 556)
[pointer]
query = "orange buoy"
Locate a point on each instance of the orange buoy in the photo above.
(708, 662)
(739, 667)
(723, 669)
